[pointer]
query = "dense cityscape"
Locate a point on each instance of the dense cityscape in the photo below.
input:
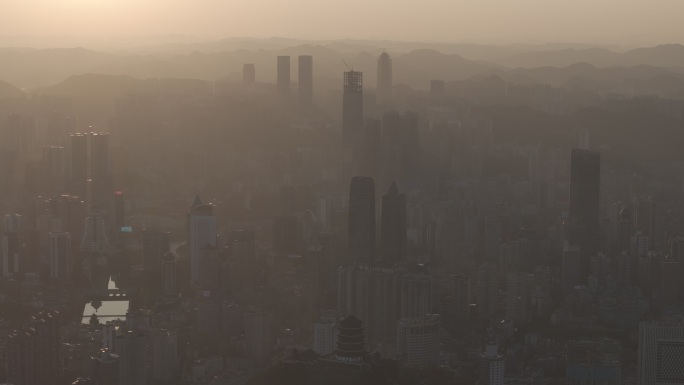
(393, 216)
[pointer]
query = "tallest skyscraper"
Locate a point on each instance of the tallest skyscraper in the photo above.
(384, 89)
(583, 226)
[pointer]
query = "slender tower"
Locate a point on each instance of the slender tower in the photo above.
(384, 88)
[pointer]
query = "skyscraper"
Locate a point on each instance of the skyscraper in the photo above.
(154, 245)
(393, 226)
(169, 284)
(258, 342)
(94, 235)
(100, 168)
(105, 368)
(248, 75)
(60, 255)
(384, 89)
(164, 346)
(352, 106)
(202, 226)
(78, 164)
(491, 363)
(661, 348)
(361, 234)
(305, 80)
(283, 80)
(487, 292)
(585, 183)
(131, 346)
(418, 340)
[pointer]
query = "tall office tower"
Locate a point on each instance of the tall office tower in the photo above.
(22, 134)
(415, 295)
(105, 368)
(517, 297)
(352, 107)
(437, 88)
(361, 234)
(78, 164)
(393, 226)
(169, 275)
(21, 356)
(100, 168)
(583, 216)
(60, 255)
(52, 164)
(119, 211)
(661, 348)
(131, 346)
(202, 227)
(487, 292)
(284, 75)
(418, 340)
(370, 158)
(462, 297)
(285, 235)
(571, 268)
(154, 245)
(248, 75)
(258, 340)
(94, 235)
(305, 80)
(325, 333)
(164, 346)
(491, 363)
(384, 89)
(351, 344)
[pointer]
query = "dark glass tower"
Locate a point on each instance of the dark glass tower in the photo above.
(583, 226)
(352, 106)
(393, 226)
(361, 236)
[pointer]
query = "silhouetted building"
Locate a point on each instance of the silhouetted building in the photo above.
(384, 89)
(169, 274)
(202, 227)
(60, 255)
(492, 363)
(248, 75)
(78, 164)
(594, 362)
(164, 346)
(119, 211)
(393, 226)
(585, 184)
(370, 158)
(34, 354)
(131, 346)
(418, 340)
(105, 368)
(100, 168)
(352, 106)
(154, 245)
(361, 234)
(305, 80)
(258, 340)
(94, 238)
(283, 81)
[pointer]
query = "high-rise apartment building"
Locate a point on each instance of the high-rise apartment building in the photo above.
(60, 255)
(154, 245)
(361, 235)
(583, 215)
(393, 226)
(164, 349)
(352, 106)
(418, 340)
(492, 363)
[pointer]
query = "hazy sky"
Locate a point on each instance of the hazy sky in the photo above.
(605, 21)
